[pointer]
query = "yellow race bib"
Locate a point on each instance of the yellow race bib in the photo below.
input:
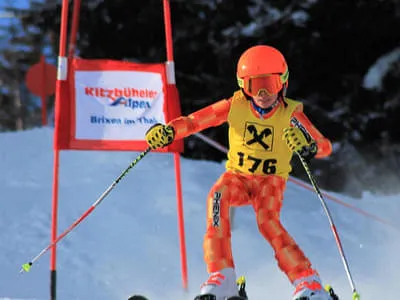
(256, 145)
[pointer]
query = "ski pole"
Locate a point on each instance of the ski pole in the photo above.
(27, 266)
(356, 295)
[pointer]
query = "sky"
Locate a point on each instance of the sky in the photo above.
(129, 243)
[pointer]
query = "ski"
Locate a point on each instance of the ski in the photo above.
(241, 283)
(205, 297)
(329, 290)
(200, 297)
(212, 297)
(137, 297)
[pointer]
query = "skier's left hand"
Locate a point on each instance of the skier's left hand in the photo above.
(298, 142)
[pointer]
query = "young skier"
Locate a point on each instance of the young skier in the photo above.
(265, 129)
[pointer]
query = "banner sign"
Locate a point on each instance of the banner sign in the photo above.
(117, 105)
(109, 105)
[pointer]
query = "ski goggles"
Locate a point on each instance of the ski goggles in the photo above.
(271, 84)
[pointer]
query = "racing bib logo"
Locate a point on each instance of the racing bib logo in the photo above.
(258, 137)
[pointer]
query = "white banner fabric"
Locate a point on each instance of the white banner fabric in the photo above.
(117, 105)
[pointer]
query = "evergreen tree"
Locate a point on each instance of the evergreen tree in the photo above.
(22, 47)
(329, 46)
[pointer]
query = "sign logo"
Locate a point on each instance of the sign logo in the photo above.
(258, 136)
(216, 209)
(132, 98)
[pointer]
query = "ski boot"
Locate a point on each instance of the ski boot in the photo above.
(309, 287)
(223, 286)
(331, 293)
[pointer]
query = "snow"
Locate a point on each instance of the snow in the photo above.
(376, 73)
(129, 244)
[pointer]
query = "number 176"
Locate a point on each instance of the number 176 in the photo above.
(268, 165)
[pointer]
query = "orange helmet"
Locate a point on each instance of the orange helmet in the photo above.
(262, 68)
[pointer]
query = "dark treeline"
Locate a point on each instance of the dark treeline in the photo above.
(330, 46)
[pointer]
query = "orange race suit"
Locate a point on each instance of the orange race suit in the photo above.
(257, 169)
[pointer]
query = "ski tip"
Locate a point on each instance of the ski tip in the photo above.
(205, 297)
(137, 297)
(212, 297)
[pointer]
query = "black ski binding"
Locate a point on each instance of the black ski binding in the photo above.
(205, 297)
(329, 290)
(137, 297)
(212, 297)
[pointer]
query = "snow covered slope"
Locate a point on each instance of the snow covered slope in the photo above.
(130, 242)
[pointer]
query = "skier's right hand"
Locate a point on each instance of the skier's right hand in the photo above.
(159, 135)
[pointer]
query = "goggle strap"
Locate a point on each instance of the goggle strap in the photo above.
(285, 76)
(240, 82)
